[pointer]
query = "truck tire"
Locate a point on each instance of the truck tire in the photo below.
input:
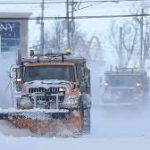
(143, 105)
(86, 116)
(86, 121)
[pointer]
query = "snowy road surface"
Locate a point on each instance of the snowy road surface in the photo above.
(10, 143)
(110, 130)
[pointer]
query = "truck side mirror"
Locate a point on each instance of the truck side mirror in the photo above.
(17, 72)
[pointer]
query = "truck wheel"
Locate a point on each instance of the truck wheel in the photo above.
(86, 117)
(18, 103)
(86, 121)
(144, 104)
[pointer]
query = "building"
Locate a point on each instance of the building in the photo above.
(14, 32)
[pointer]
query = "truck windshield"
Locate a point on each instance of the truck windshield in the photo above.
(123, 80)
(49, 72)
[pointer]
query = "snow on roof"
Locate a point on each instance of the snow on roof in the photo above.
(15, 15)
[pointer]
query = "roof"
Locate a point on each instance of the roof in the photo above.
(49, 64)
(67, 60)
(126, 73)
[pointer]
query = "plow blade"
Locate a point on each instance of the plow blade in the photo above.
(45, 122)
(34, 114)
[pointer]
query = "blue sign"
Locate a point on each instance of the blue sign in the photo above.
(9, 35)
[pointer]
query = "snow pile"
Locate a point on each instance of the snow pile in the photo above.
(38, 110)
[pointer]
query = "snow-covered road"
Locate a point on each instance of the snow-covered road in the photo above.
(110, 130)
(11, 143)
(120, 122)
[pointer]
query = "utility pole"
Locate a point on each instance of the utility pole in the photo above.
(68, 24)
(73, 4)
(141, 39)
(120, 48)
(42, 26)
(70, 6)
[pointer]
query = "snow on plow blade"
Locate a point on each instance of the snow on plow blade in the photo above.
(34, 114)
(45, 122)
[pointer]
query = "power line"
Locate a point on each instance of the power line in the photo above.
(97, 1)
(111, 16)
(64, 2)
(78, 17)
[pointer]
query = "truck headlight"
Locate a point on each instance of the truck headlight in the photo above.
(61, 89)
(138, 84)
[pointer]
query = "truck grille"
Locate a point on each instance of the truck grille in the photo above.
(123, 92)
(51, 99)
(47, 97)
(54, 90)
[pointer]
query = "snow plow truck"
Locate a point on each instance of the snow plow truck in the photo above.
(52, 95)
(126, 87)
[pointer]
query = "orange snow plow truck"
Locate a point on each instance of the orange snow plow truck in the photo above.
(52, 95)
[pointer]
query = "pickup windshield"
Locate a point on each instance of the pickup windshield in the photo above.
(49, 72)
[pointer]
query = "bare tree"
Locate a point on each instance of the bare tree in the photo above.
(146, 41)
(131, 40)
(116, 42)
(114, 37)
(124, 42)
(54, 40)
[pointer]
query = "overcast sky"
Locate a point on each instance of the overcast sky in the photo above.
(90, 26)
